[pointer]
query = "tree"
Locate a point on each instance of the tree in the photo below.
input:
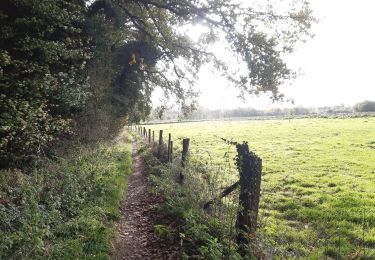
(365, 106)
(257, 36)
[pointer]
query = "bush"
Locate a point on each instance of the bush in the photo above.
(43, 52)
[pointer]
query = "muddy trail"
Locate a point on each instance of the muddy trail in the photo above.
(136, 238)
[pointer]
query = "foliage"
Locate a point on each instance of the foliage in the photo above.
(365, 106)
(255, 35)
(165, 232)
(130, 93)
(317, 184)
(64, 209)
(43, 52)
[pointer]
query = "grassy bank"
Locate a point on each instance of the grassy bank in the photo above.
(64, 209)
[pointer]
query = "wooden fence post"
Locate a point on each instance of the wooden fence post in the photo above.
(160, 147)
(153, 136)
(144, 132)
(149, 136)
(169, 147)
(249, 166)
(185, 151)
(171, 152)
(161, 137)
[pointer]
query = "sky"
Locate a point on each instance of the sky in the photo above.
(337, 64)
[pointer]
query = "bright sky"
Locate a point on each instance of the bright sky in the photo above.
(337, 64)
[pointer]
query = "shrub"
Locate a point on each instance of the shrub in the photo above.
(43, 51)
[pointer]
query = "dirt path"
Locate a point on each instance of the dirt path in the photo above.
(136, 238)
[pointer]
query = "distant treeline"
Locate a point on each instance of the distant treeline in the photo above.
(203, 113)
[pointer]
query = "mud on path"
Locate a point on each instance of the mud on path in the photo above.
(135, 230)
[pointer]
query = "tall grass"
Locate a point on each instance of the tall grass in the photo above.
(204, 234)
(65, 208)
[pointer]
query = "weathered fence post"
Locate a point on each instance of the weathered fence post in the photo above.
(160, 147)
(171, 152)
(169, 146)
(144, 132)
(153, 136)
(185, 151)
(249, 166)
(149, 136)
(161, 137)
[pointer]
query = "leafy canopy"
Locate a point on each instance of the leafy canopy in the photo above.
(257, 35)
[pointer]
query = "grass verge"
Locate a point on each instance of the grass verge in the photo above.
(65, 209)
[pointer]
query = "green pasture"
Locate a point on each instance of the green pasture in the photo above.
(318, 184)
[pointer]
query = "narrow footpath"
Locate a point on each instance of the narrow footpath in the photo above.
(136, 238)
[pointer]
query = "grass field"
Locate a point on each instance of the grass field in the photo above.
(318, 184)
